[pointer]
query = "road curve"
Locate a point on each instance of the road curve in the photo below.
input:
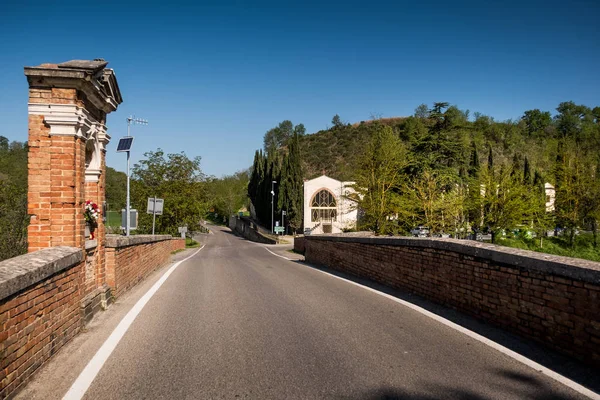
(235, 321)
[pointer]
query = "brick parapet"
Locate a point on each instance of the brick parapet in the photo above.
(553, 300)
(130, 259)
(40, 296)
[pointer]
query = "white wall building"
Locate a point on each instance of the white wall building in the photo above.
(326, 206)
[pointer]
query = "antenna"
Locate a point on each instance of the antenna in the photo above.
(135, 121)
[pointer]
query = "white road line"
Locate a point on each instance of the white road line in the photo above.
(85, 379)
(530, 363)
(285, 258)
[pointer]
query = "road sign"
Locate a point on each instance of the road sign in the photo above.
(279, 229)
(152, 206)
(183, 231)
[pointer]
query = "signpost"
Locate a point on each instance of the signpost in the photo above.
(155, 207)
(183, 231)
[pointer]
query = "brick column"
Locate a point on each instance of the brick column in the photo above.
(68, 104)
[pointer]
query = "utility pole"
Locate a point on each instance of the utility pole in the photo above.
(139, 121)
(154, 214)
(272, 205)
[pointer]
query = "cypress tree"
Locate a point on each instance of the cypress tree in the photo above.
(474, 162)
(526, 172)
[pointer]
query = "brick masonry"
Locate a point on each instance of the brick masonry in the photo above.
(130, 260)
(47, 296)
(40, 313)
(552, 300)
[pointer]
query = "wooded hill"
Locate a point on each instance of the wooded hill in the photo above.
(439, 166)
(536, 136)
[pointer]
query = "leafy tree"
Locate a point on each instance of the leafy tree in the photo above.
(336, 121)
(228, 194)
(428, 189)
(278, 137)
(179, 181)
(116, 189)
(506, 201)
(379, 180)
(536, 121)
(422, 111)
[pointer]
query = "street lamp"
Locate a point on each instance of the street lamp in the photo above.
(272, 205)
(125, 146)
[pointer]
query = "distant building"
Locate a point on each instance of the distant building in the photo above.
(327, 209)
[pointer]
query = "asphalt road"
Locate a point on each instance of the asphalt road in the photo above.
(236, 321)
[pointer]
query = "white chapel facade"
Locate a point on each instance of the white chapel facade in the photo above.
(327, 209)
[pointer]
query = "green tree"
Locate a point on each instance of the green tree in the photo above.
(278, 137)
(536, 121)
(116, 189)
(13, 198)
(179, 181)
(291, 186)
(379, 181)
(506, 201)
(228, 194)
(336, 121)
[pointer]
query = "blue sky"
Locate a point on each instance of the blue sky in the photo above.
(212, 78)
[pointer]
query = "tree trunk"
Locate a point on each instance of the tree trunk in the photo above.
(572, 237)
(595, 232)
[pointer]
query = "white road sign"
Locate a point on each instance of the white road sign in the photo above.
(151, 206)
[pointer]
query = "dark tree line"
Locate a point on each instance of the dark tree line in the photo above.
(276, 179)
(13, 198)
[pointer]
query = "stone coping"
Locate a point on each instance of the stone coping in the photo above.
(20, 272)
(573, 268)
(116, 241)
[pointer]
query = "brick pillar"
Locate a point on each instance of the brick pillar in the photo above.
(68, 104)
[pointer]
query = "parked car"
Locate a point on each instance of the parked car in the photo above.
(420, 231)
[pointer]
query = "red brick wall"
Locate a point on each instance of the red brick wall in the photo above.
(129, 264)
(56, 167)
(36, 323)
(558, 306)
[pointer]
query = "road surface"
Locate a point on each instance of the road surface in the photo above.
(236, 321)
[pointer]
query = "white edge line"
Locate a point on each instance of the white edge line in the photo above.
(518, 357)
(87, 376)
(285, 258)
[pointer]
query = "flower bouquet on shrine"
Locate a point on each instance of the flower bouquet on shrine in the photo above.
(91, 214)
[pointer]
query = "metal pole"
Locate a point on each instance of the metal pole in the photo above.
(282, 219)
(127, 208)
(153, 214)
(272, 201)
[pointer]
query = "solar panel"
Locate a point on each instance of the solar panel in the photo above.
(125, 143)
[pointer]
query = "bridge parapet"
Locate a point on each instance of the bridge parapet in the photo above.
(551, 299)
(40, 310)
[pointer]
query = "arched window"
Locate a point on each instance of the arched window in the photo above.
(323, 207)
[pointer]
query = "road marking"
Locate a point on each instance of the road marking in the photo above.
(87, 376)
(522, 359)
(285, 258)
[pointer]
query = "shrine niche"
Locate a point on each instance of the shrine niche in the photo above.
(68, 105)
